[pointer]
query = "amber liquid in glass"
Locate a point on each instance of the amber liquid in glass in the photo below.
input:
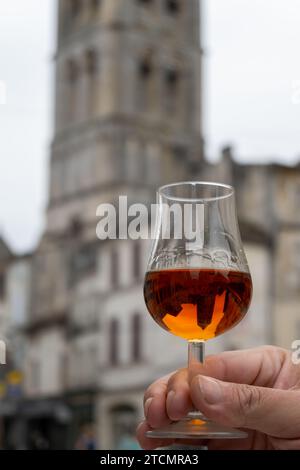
(197, 304)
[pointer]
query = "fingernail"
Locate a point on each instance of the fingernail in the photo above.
(147, 406)
(210, 389)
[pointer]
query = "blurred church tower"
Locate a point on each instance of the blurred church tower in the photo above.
(127, 119)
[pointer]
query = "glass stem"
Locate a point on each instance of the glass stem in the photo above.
(196, 356)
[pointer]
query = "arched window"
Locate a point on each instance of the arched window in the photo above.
(145, 79)
(145, 68)
(72, 75)
(91, 82)
(171, 89)
(136, 337)
(114, 342)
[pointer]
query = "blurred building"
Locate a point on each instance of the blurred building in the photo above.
(128, 119)
(15, 299)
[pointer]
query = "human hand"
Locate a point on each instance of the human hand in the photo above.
(257, 390)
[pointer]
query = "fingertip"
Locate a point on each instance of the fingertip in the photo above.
(156, 412)
(178, 404)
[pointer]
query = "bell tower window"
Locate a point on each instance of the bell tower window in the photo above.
(171, 89)
(145, 76)
(171, 77)
(145, 69)
(72, 81)
(91, 82)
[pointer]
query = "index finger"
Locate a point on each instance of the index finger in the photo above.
(259, 366)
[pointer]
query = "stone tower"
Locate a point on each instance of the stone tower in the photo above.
(127, 119)
(127, 98)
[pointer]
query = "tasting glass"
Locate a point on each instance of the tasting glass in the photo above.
(197, 284)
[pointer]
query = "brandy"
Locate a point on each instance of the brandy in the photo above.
(197, 304)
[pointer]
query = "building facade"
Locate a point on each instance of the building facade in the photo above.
(128, 119)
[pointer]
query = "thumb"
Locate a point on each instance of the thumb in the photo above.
(271, 411)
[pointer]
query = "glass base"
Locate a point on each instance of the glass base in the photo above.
(196, 426)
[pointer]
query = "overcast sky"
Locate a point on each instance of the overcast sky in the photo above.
(251, 91)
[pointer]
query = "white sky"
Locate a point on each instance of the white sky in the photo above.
(251, 92)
